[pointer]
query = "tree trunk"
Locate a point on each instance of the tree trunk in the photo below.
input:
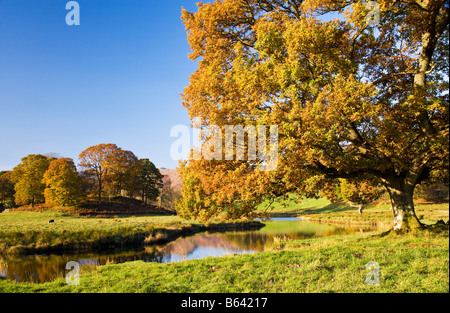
(401, 195)
(99, 174)
(100, 190)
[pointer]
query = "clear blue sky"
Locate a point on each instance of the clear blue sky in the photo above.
(115, 78)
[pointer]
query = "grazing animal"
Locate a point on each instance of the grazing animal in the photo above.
(51, 221)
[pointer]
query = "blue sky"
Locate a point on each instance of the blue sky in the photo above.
(115, 78)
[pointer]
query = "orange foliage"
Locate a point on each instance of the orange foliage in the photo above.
(350, 100)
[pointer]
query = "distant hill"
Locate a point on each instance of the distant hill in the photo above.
(171, 176)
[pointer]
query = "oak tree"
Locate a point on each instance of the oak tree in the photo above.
(351, 99)
(6, 189)
(28, 176)
(63, 183)
(123, 171)
(359, 191)
(94, 161)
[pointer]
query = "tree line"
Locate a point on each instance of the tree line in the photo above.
(104, 170)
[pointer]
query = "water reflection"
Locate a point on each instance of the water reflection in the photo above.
(43, 268)
(197, 247)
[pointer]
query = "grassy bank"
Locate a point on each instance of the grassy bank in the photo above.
(31, 232)
(408, 263)
(322, 210)
(413, 262)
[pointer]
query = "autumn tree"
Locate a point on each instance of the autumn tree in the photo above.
(28, 176)
(193, 203)
(123, 171)
(356, 191)
(360, 191)
(6, 189)
(94, 161)
(63, 183)
(231, 187)
(435, 189)
(350, 98)
(169, 197)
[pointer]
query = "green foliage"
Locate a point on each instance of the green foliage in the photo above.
(415, 262)
(149, 180)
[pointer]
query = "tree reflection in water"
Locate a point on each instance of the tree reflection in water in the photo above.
(44, 268)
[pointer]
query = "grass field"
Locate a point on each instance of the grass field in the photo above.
(32, 230)
(407, 263)
(413, 262)
(324, 211)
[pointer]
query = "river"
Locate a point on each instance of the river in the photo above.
(44, 268)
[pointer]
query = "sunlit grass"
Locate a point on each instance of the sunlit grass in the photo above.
(415, 262)
(31, 221)
(22, 230)
(326, 211)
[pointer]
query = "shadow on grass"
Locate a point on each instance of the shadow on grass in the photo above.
(283, 214)
(440, 228)
(331, 208)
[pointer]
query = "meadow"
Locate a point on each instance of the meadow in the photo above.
(322, 210)
(408, 263)
(22, 232)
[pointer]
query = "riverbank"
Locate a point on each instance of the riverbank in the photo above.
(411, 263)
(380, 214)
(407, 263)
(31, 232)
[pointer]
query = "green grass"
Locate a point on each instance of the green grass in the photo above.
(289, 206)
(408, 263)
(413, 262)
(324, 211)
(30, 232)
(37, 221)
(21, 231)
(380, 214)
